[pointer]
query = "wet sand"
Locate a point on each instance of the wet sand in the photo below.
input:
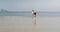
(24, 24)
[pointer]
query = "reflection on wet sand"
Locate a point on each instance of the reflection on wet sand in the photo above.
(24, 24)
(33, 24)
(33, 27)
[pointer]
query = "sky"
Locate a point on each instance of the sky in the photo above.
(28, 5)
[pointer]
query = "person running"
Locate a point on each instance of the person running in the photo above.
(33, 16)
(33, 13)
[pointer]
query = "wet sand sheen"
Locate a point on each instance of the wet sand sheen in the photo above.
(24, 24)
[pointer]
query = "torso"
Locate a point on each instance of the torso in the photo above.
(33, 13)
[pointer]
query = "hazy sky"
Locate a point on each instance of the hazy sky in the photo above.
(28, 5)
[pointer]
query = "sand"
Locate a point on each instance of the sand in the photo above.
(24, 24)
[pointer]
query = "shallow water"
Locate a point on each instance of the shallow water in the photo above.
(29, 14)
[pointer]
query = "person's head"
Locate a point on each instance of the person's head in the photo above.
(32, 10)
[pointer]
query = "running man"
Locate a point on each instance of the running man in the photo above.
(33, 16)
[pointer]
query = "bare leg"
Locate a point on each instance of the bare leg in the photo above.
(34, 19)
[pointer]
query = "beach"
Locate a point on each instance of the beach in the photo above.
(24, 24)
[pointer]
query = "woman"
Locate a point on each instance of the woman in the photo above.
(33, 17)
(32, 13)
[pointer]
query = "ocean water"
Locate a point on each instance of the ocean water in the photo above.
(30, 14)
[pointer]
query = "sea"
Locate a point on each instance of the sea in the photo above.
(25, 13)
